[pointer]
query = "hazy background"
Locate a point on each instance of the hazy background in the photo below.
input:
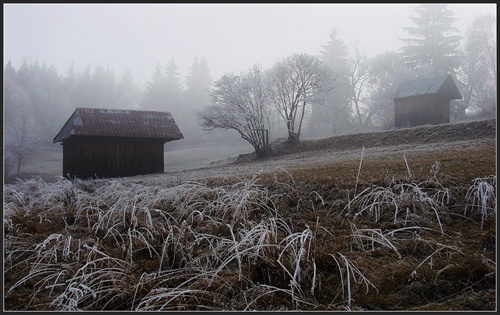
(46, 46)
(231, 37)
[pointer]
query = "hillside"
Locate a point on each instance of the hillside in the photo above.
(444, 140)
(428, 134)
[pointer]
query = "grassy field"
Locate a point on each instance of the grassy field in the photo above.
(394, 232)
(46, 161)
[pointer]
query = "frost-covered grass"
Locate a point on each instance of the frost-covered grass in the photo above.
(294, 239)
(481, 197)
(402, 202)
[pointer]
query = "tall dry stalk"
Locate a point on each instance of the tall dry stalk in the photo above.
(481, 196)
(359, 171)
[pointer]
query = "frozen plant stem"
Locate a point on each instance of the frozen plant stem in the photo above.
(359, 170)
(407, 167)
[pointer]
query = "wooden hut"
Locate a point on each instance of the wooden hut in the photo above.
(424, 101)
(114, 143)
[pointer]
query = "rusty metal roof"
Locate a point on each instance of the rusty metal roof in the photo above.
(442, 84)
(120, 123)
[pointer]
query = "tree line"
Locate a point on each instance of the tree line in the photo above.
(340, 90)
(38, 100)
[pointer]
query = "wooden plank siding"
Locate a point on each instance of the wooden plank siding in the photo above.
(426, 109)
(91, 157)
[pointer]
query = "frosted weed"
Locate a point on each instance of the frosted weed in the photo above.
(481, 197)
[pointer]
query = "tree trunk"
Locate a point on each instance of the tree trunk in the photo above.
(293, 138)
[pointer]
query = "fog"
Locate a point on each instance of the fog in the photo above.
(231, 37)
(136, 38)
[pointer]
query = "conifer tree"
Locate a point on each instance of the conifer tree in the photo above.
(197, 96)
(83, 90)
(434, 41)
(199, 83)
(154, 98)
(334, 114)
(172, 78)
(127, 93)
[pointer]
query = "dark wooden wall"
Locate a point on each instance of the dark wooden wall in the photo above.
(90, 157)
(421, 110)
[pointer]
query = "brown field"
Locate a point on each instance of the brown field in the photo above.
(402, 220)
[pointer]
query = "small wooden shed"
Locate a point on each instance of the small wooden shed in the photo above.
(424, 101)
(114, 143)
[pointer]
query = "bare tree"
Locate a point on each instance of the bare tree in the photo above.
(478, 69)
(296, 82)
(240, 102)
(360, 80)
(21, 134)
(484, 32)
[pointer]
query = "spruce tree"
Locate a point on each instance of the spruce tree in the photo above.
(173, 79)
(197, 96)
(127, 93)
(434, 41)
(334, 114)
(155, 96)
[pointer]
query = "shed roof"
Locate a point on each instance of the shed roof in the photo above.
(442, 85)
(120, 123)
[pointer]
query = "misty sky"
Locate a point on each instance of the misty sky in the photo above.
(230, 37)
